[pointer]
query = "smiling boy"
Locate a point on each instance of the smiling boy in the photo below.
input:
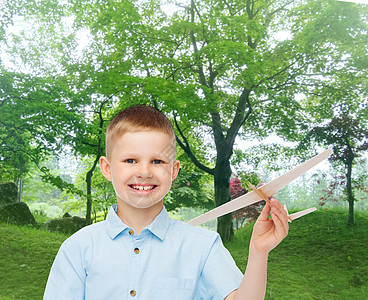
(139, 252)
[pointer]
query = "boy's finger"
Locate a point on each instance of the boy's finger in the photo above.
(276, 204)
(281, 230)
(265, 213)
(280, 222)
(281, 214)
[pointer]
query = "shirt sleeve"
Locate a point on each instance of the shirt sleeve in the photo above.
(220, 275)
(67, 275)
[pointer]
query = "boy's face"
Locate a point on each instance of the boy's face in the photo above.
(141, 167)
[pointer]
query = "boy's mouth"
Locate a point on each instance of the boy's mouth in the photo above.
(142, 187)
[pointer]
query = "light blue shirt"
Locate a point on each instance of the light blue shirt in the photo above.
(169, 259)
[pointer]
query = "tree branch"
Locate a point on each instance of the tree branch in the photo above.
(202, 77)
(88, 144)
(217, 131)
(240, 116)
(186, 147)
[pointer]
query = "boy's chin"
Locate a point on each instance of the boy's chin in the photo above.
(144, 204)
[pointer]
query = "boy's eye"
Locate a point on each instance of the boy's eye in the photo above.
(157, 161)
(130, 161)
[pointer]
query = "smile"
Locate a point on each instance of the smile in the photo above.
(142, 187)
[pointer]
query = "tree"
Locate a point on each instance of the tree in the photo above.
(192, 187)
(90, 140)
(227, 72)
(46, 101)
(32, 121)
(217, 68)
(14, 132)
(337, 107)
(248, 213)
(348, 138)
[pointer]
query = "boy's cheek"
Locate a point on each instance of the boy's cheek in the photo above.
(166, 171)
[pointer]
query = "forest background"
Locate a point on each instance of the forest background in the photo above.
(252, 87)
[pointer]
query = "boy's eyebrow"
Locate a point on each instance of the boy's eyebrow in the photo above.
(127, 154)
(152, 156)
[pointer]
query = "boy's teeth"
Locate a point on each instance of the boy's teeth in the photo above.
(142, 187)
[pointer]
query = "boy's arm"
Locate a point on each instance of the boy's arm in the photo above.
(66, 278)
(267, 234)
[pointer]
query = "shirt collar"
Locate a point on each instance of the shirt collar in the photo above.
(114, 225)
(159, 226)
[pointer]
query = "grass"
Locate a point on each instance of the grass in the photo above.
(40, 219)
(320, 259)
(26, 256)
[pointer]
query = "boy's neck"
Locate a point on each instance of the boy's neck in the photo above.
(138, 218)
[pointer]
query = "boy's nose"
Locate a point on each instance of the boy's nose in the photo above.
(144, 171)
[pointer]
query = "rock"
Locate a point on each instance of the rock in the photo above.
(67, 225)
(17, 213)
(67, 215)
(8, 193)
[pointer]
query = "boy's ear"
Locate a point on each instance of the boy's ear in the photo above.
(176, 168)
(105, 168)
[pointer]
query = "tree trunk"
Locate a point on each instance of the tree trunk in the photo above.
(89, 186)
(89, 196)
(350, 193)
(20, 190)
(222, 195)
(90, 172)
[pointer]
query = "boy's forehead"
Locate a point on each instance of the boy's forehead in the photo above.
(148, 133)
(164, 146)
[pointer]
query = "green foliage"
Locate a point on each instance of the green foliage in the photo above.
(35, 122)
(250, 177)
(326, 189)
(103, 195)
(321, 258)
(192, 188)
(217, 68)
(45, 211)
(45, 183)
(348, 137)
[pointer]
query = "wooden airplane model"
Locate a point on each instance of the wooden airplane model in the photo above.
(264, 192)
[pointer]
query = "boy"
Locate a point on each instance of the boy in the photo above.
(138, 252)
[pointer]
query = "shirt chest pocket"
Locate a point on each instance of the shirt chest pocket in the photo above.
(173, 288)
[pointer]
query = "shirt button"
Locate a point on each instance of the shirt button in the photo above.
(136, 250)
(133, 293)
(131, 232)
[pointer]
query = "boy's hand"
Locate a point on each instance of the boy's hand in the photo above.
(268, 233)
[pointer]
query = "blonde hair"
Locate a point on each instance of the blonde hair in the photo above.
(138, 118)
